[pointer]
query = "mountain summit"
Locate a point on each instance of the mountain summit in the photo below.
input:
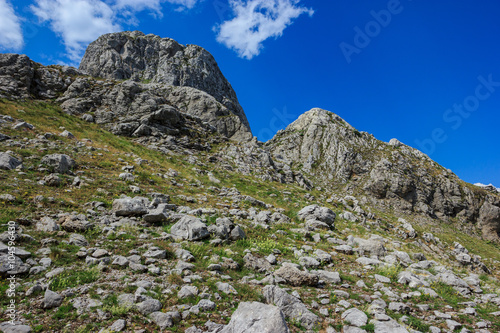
(333, 153)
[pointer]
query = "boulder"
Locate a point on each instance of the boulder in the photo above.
(52, 299)
(355, 317)
(8, 162)
(291, 306)
(189, 228)
(255, 317)
(47, 224)
(317, 213)
(295, 277)
(59, 163)
(130, 206)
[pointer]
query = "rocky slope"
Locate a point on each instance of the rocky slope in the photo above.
(392, 174)
(112, 236)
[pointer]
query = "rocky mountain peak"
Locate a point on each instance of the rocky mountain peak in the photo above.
(333, 153)
(150, 58)
(316, 117)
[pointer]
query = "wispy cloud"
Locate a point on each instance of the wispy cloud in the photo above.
(11, 35)
(255, 21)
(79, 22)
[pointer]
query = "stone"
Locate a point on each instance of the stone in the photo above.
(255, 317)
(52, 180)
(8, 162)
(187, 291)
(47, 224)
(184, 255)
(226, 288)
(382, 279)
(354, 317)
(85, 304)
(206, 305)
(118, 325)
(331, 277)
(127, 176)
(317, 213)
(237, 233)
(130, 206)
(165, 319)
(189, 228)
(258, 264)
(296, 277)
(388, 326)
(371, 246)
(291, 306)
(78, 240)
(59, 163)
(158, 214)
(67, 134)
(75, 223)
(120, 261)
(149, 306)
(16, 327)
(52, 300)
(453, 325)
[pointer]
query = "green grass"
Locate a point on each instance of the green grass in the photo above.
(417, 324)
(64, 312)
(448, 294)
(70, 279)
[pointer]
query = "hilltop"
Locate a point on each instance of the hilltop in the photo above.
(139, 201)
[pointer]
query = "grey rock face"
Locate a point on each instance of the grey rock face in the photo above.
(16, 74)
(153, 59)
(189, 228)
(8, 162)
(255, 317)
(22, 78)
(60, 163)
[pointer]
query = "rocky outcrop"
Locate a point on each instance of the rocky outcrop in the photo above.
(152, 87)
(324, 147)
(20, 77)
(126, 55)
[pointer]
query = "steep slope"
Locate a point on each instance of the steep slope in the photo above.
(324, 146)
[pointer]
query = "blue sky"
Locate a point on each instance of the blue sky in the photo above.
(427, 73)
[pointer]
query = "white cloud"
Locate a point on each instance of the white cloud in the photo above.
(11, 35)
(78, 22)
(184, 3)
(255, 21)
